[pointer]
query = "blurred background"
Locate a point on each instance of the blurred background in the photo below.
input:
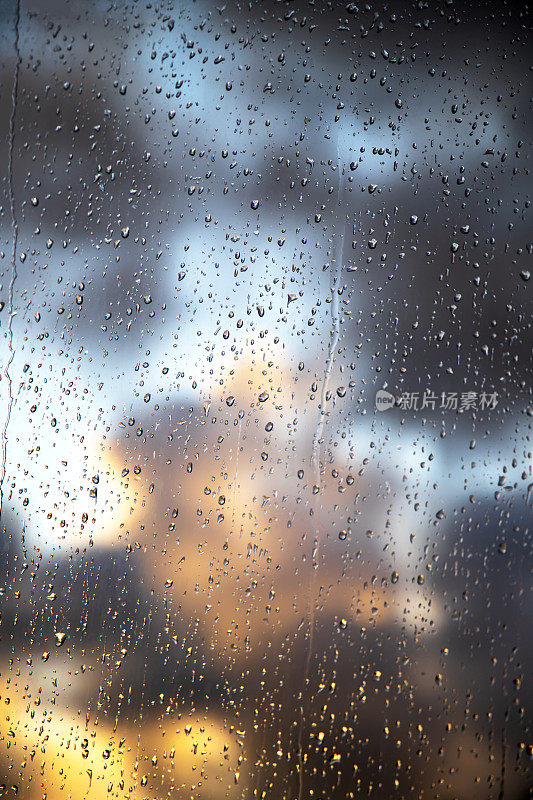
(223, 572)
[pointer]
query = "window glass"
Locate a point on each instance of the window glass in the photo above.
(265, 400)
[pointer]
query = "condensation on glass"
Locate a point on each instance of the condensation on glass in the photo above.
(265, 400)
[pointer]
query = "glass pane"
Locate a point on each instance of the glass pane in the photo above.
(265, 400)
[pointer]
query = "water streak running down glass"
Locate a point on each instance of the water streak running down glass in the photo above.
(266, 463)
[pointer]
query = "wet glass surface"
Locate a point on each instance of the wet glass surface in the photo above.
(265, 400)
